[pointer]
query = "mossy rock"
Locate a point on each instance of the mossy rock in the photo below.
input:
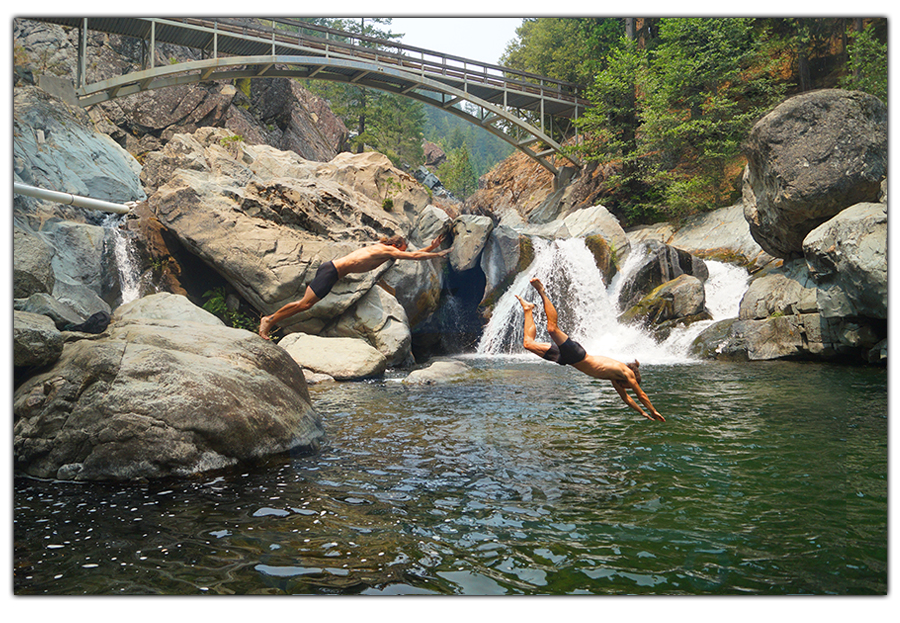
(604, 256)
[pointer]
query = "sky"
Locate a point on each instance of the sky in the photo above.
(478, 38)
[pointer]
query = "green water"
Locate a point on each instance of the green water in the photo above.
(769, 478)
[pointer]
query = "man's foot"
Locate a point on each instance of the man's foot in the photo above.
(537, 285)
(525, 304)
(265, 323)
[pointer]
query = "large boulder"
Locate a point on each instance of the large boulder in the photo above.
(379, 319)
(681, 301)
(505, 255)
(342, 358)
(780, 291)
(155, 398)
(847, 256)
(809, 158)
(265, 220)
(165, 306)
(470, 234)
(596, 221)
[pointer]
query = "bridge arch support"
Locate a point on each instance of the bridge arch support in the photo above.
(496, 118)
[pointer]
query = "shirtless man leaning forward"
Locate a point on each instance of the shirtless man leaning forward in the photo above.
(566, 351)
(359, 261)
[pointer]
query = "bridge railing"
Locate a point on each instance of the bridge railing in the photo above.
(429, 62)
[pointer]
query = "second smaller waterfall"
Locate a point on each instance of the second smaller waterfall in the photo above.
(126, 260)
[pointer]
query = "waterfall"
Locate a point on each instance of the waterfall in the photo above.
(587, 306)
(126, 260)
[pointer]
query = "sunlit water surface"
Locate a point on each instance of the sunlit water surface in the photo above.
(768, 478)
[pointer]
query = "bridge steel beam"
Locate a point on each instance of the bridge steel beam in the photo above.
(368, 74)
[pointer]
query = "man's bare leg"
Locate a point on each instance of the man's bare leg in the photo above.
(552, 317)
(530, 330)
(266, 322)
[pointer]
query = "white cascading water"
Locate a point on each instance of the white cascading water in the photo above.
(126, 262)
(587, 306)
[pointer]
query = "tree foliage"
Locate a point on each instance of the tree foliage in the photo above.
(867, 65)
(549, 46)
(457, 174)
(451, 132)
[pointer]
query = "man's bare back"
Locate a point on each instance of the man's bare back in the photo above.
(371, 257)
(358, 261)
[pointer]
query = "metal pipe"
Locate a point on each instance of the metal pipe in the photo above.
(75, 200)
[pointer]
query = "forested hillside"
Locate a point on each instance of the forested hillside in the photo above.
(672, 99)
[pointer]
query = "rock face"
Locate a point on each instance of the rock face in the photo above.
(32, 269)
(63, 250)
(56, 147)
(157, 397)
(811, 157)
(265, 219)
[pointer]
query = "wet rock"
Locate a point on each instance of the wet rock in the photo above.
(678, 302)
(438, 372)
(659, 264)
(799, 336)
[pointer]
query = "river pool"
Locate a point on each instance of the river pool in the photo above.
(529, 478)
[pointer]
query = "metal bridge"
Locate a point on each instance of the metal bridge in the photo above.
(525, 110)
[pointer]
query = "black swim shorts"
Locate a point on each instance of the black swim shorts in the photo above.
(325, 278)
(566, 354)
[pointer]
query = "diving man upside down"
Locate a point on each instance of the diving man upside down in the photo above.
(359, 261)
(566, 351)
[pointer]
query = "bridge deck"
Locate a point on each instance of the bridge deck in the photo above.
(492, 83)
(506, 102)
